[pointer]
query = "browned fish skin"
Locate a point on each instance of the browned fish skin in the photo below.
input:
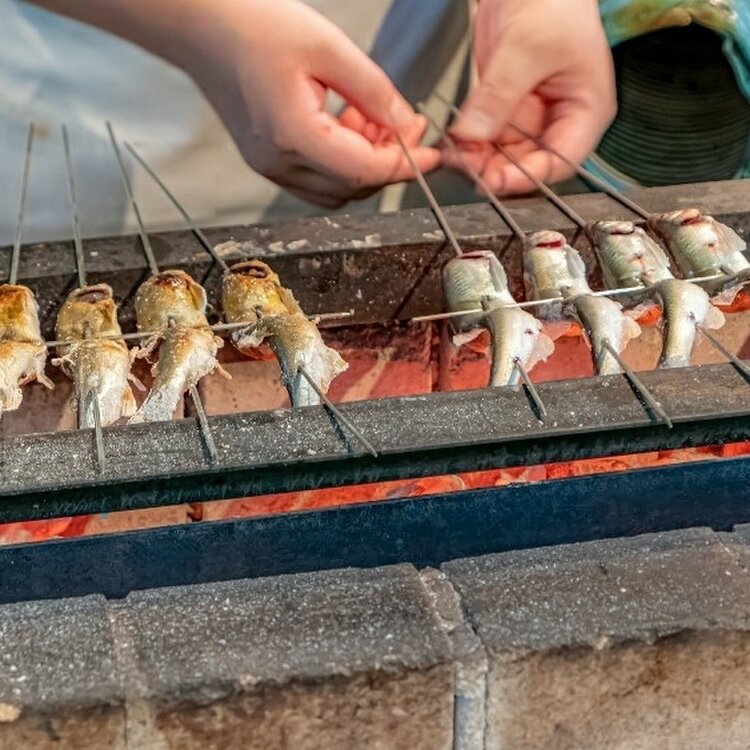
(251, 292)
(170, 298)
(173, 306)
(185, 356)
(22, 351)
(99, 366)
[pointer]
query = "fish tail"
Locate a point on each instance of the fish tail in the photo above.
(159, 406)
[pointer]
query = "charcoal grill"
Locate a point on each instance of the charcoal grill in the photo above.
(385, 268)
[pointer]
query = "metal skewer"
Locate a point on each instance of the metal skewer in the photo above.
(200, 236)
(201, 419)
(540, 408)
(148, 251)
(93, 399)
(551, 196)
(637, 383)
(736, 361)
(74, 204)
(587, 175)
(478, 179)
(436, 210)
(16, 252)
(340, 416)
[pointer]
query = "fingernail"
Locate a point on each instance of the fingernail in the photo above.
(477, 125)
(401, 113)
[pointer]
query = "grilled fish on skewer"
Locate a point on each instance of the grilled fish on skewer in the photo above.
(702, 246)
(552, 268)
(478, 279)
(173, 306)
(99, 367)
(22, 351)
(631, 258)
(252, 292)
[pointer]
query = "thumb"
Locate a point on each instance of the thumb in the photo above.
(347, 70)
(492, 103)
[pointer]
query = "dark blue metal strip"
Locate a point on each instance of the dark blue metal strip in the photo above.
(424, 531)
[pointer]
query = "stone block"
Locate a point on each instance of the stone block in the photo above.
(640, 642)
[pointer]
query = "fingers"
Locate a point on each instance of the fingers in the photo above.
(505, 82)
(352, 74)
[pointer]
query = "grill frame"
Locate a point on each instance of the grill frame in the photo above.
(361, 254)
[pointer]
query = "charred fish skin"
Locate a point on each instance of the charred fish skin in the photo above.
(517, 336)
(629, 256)
(252, 292)
(552, 268)
(170, 297)
(98, 364)
(700, 245)
(185, 356)
(686, 306)
(471, 280)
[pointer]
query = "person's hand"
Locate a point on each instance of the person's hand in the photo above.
(545, 65)
(267, 67)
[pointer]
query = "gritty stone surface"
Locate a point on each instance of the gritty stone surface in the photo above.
(56, 653)
(604, 591)
(242, 633)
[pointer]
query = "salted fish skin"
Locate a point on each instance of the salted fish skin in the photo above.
(170, 297)
(297, 342)
(552, 268)
(252, 287)
(686, 306)
(185, 355)
(700, 245)
(88, 312)
(629, 256)
(19, 314)
(470, 280)
(21, 362)
(604, 320)
(516, 335)
(100, 371)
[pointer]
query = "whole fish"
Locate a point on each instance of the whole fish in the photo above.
(686, 306)
(22, 351)
(478, 279)
(252, 293)
(552, 268)
(172, 305)
(631, 258)
(702, 246)
(98, 366)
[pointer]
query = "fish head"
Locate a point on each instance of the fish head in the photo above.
(668, 223)
(250, 287)
(473, 277)
(18, 310)
(546, 240)
(88, 311)
(170, 296)
(609, 228)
